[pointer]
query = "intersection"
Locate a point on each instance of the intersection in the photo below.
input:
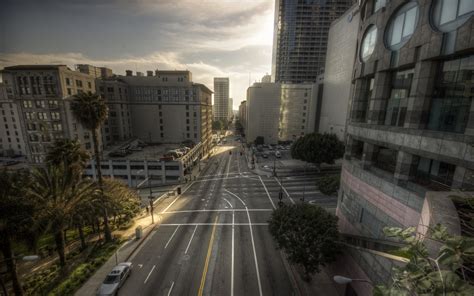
(213, 239)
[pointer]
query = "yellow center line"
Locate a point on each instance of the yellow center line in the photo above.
(206, 265)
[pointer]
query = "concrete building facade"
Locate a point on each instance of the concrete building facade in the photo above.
(342, 41)
(263, 112)
(411, 124)
(243, 114)
(298, 110)
(168, 108)
(230, 112)
(301, 36)
(42, 95)
(12, 141)
(221, 98)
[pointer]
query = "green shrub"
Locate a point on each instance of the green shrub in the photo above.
(329, 185)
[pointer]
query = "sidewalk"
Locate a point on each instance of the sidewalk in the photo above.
(123, 254)
(131, 245)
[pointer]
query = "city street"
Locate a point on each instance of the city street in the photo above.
(213, 239)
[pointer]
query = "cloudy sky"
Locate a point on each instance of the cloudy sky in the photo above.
(224, 38)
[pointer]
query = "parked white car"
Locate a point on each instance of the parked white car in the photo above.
(115, 279)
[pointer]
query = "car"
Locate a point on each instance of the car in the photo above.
(265, 155)
(277, 154)
(115, 279)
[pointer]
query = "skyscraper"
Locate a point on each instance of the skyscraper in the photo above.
(300, 37)
(221, 98)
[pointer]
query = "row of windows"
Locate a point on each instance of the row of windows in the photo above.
(41, 103)
(449, 106)
(42, 115)
(447, 15)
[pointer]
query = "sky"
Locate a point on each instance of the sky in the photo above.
(211, 38)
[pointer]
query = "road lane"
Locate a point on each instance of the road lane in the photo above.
(174, 258)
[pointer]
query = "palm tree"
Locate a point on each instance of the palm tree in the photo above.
(16, 216)
(60, 195)
(91, 111)
(68, 153)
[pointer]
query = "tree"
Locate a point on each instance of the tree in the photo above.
(445, 274)
(68, 153)
(216, 125)
(259, 140)
(91, 111)
(307, 233)
(120, 200)
(329, 184)
(16, 216)
(60, 195)
(318, 148)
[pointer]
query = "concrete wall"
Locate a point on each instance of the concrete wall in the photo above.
(338, 72)
(263, 105)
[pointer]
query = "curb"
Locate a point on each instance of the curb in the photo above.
(141, 242)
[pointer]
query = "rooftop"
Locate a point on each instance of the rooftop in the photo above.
(137, 150)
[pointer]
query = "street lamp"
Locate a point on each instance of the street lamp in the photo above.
(342, 280)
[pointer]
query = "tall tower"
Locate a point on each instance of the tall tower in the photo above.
(221, 98)
(300, 37)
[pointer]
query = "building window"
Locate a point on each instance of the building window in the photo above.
(68, 81)
(379, 4)
(357, 149)
(368, 43)
(401, 26)
(453, 92)
(78, 83)
(434, 174)
(89, 84)
(398, 102)
(361, 104)
(448, 15)
(385, 158)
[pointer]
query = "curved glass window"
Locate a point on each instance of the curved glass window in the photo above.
(368, 43)
(401, 26)
(448, 15)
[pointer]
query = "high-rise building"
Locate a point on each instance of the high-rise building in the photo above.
(338, 72)
(230, 112)
(221, 98)
(298, 110)
(301, 36)
(11, 135)
(168, 108)
(163, 108)
(411, 126)
(243, 114)
(42, 95)
(263, 109)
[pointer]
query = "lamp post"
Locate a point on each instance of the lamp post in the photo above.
(342, 280)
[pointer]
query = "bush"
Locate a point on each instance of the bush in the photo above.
(307, 234)
(329, 185)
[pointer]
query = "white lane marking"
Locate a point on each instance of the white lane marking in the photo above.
(215, 179)
(228, 165)
(253, 242)
(143, 244)
(171, 289)
(212, 224)
(268, 194)
(236, 197)
(169, 206)
(238, 164)
(284, 189)
(228, 202)
(232, 262)
(217, 210)
(255, 255)
(172, 236)
(153, 268)
(187, 248)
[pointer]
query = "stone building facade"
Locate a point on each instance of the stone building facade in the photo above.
(411, 125)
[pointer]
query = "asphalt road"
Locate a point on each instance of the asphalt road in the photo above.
(213, 239)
